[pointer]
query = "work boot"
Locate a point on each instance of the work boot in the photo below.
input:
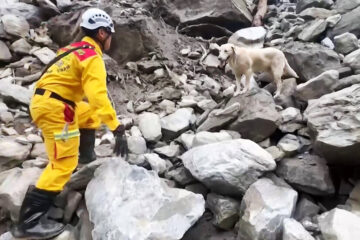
(87, 145)
(33, 221)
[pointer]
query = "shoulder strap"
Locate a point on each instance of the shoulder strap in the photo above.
(60, 56)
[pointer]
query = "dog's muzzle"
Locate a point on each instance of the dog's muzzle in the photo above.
(223, 62)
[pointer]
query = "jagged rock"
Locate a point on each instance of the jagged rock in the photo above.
(249, 37)
(305, 209)
(307, 173)
(225, 210)
(168, 106)
(345, 6)
(310, 59)
(181, 175)
(346, 23)
(353, 59)
(38, 150)
(347, 82)
(15, 25)
(157, 163)
(318, 86)
(314, 13)
(137, 145)
(346, 43)
(228, 167)
(335, 130)
(293, 230)
(275, 152)
(12, 153)
(21, 46)
(333, 20)
(153, 133)
(5, 54)
(135, 131)
(289, 144)
(207, 104)
(339, 224)
(313, 30)
(104, 150)
(220, 117)
(175, 124)
(263, 208)
(12, 195)
(186, 139)
(6, 117)
(209, 84)
(139, 196)
(30, 12)
(148, 66)
(257, 109)
(170, 151)
(303, 4)
(203, 138)
(45, 54)
(291, 114)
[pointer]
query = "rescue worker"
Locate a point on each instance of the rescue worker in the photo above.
(58, 110)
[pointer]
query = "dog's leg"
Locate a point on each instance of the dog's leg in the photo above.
(278, 82)
(238, 85)
(248, 76)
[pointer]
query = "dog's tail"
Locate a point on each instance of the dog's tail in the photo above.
(289, 70)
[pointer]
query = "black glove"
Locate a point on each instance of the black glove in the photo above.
(121, 146)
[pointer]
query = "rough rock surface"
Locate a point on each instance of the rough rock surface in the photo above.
(293, 230)
(228, 167)
(152, 133)
(139, 201)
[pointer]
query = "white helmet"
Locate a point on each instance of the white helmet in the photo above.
(94, 18)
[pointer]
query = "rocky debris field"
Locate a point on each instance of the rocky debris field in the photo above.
(203, 165)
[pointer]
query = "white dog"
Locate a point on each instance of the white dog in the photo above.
(247, 61)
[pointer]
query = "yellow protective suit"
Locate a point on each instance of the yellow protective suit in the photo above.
(79, 74)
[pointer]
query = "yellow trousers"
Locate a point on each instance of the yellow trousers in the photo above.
(62, 146)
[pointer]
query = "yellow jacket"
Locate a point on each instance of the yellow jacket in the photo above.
(82, 73)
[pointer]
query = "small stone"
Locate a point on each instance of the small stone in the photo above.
(170, 151)
(148, 66)
(137, 145)
(168, 106)
(9, 131)
(150, 127)
(333, 20)
(45, 55)
(346, 43)
(6, 117)
(157, 163)
(143, 106)
(290, 144)
(181, 175)
(159, 73)
(21, 46)
(33, 138)
(327, 43)
(185, 51)
(249, 37)
(15, 25)
(276, 153)
(5, 54)
(194, 55)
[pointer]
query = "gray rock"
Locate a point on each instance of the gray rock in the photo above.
(333, 20)
(207, 83)
(11, 92)
(39, 150)
(318, 86)
(150, 126)
(12, 153)
(15, 25)
(328, 43)
(198, 188)
(289, 144)
(6, 117)
(140, 199)
(334, 129)
(307, 173)
(313, 30)
(276, 152)
(148, 66)
(353, 59)
(314, 13)
(7, 236)
(211, 61)
(353, 201)
(30, 12)
(207, 104)
(21, 46)
(73, 201)
(337, 224)
(170, 151)
(175, 124)
(137, 145)
(181, 175)
(293, 230)
(345, 6)
(346, 43)
(286, 98)
(263, 208)
(202, 138)
(257, 109)
(347, 82)
(186, 139)
(168, 106)
(104, 150)
(310, 59)
(5, 54)
(249, 37)
(39, 163)
(225, 210)
(228, 167)
(291, 114)
(12, 195)
(306, 209)
(303, 4)
(157, 163)
(220, 117)
(45, 54)
(346, 23)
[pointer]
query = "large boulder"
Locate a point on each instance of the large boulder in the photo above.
(346, 43)
(12, 195)
(228, 167)
(16, 26)
(263, 208)
(10, 93)
(310, 59)
(258, 118)
(313, 30)
(346, 23)
(129, 202)
(353, 60)
(333, 122)
(339, 224)
(308, 173)
(33, 14)
(231, 14)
